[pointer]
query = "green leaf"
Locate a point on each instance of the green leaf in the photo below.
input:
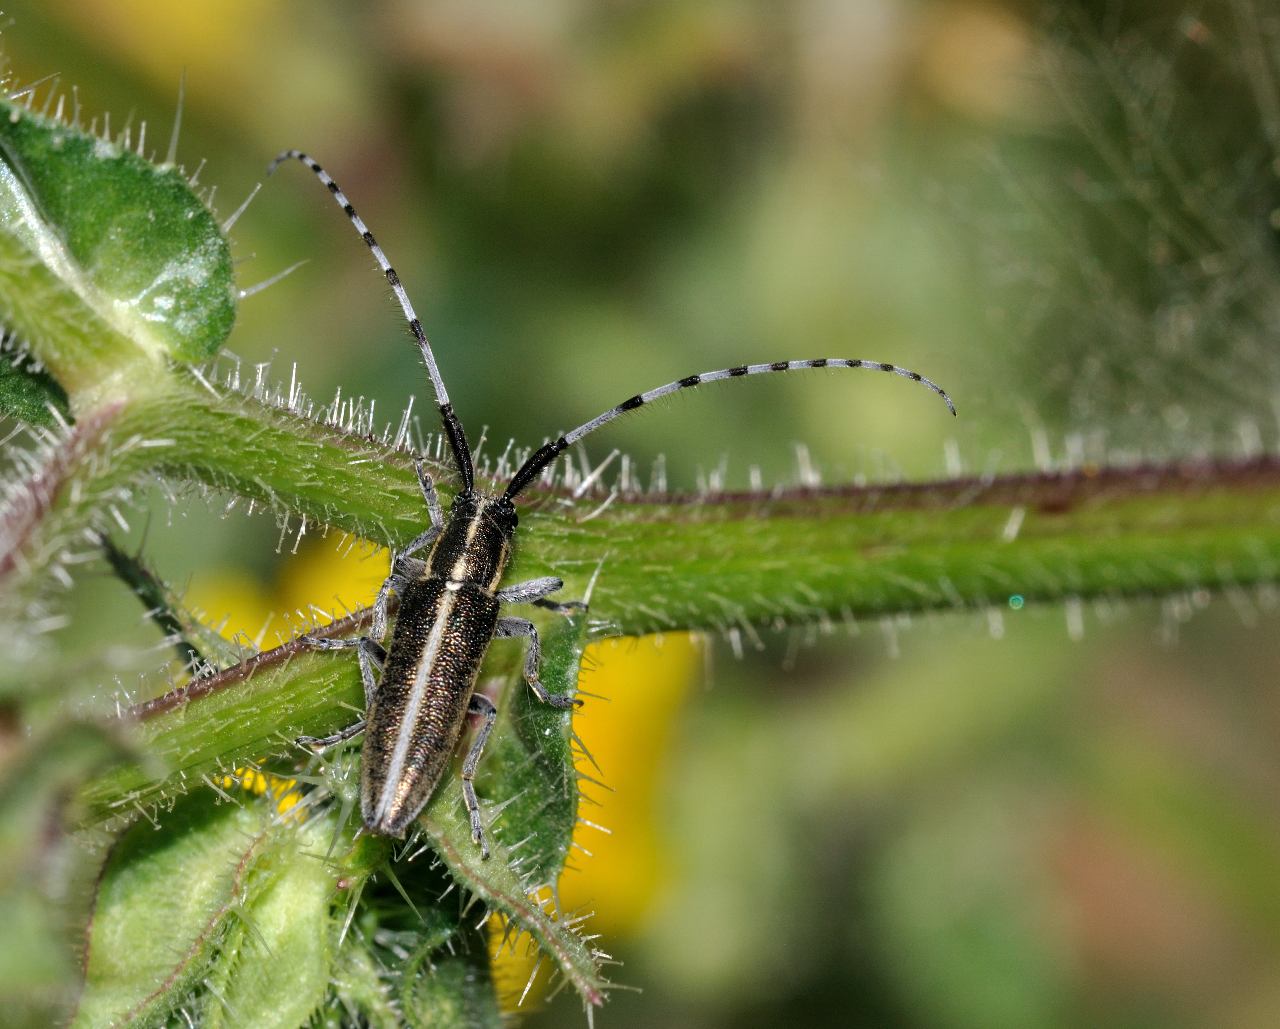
(409, 956)
(360, 985)
(43, 869)
(528, 766)
(78, 346)
(219, 894)
(116, 235)
(532, 777)
(27, 394)
(532, 773)
(272, 969)
(444, 989)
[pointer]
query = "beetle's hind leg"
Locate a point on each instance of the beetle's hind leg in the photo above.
(511, 627)
(371, 656)
(480, 705)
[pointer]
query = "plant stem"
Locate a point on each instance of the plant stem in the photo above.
(720, 561)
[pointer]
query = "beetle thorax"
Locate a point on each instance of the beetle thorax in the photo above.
(475, 544)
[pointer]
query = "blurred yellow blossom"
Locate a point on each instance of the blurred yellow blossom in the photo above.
(235, 604)
(283, 791)
(333, 577)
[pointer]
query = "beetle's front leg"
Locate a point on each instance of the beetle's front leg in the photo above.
(423, 539)
(434, 512)
(511, 627)
(404, 567)
(480, 705)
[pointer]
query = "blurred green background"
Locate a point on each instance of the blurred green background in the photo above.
(1064, 212)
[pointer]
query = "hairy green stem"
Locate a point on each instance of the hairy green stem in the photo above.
(716, 561)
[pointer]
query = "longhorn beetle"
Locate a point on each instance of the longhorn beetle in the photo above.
(450, 601)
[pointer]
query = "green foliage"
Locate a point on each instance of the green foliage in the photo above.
(212, 911)
(44, 871)
(202, 907)
(255, 911)
(27, 394)
(127, 237)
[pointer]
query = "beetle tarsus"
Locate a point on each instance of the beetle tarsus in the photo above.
(479, 705)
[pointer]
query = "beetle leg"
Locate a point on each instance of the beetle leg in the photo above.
(535, 592)
(434, 511)
(528, 592)
(512, 627)
(371, 657)
(319, 743)
(560, 607)
(393, 583)
(368, 650)
(409, 567)
(430, 495)
(423, 539)
(480, 705)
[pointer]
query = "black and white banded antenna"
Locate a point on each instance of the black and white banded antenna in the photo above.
(449, 419)
(548, 452)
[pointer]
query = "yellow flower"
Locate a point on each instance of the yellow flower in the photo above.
(283, 791)
(236, 605)
(332, 577)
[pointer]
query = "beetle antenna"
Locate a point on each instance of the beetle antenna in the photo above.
(452, 426)
(548, 452)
